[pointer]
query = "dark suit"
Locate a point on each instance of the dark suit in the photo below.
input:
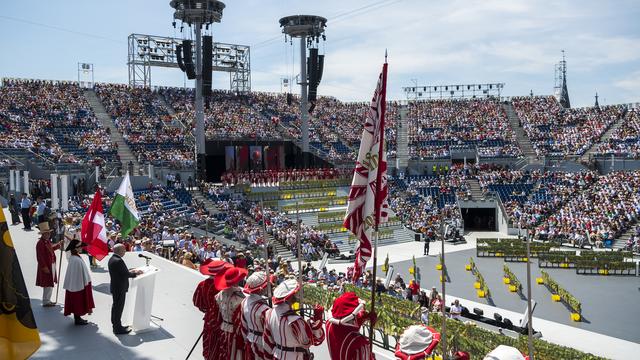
(119, 285)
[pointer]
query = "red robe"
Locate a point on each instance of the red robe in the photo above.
(204, 300)
(346, 343)
(46, 261)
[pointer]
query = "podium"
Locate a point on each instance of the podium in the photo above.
(139, 301)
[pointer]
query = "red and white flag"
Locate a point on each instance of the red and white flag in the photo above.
(93, 232)
(368, 196)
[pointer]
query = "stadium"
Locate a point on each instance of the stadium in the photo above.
(427, 181)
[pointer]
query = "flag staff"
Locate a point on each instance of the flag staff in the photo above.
(378, 201)
(266, 251)
(444, 293)
(299, 254)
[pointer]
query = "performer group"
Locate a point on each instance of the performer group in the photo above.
(245, 323)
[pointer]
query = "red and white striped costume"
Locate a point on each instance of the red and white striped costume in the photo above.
(346, 343)
(204, 300)
(254, 308)
(232, 342)
(343, 329)
(288, 336)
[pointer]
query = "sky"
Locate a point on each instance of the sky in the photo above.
(435, 42)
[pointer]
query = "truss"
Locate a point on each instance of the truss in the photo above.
(456, 91)
(147, 51)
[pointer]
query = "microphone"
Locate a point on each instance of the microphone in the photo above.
(144, 256)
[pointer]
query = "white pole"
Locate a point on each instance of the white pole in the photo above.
(529, 314)
(55, 201)
(26, 181)
(12, 180)
(97, 174)
(64, 192)
(17, 180)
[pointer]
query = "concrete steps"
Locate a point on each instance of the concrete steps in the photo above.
(124, 152)
(521, 136)
(474, 188)
(400, 235)
(619, 243)
(604, 138)
(402, 139)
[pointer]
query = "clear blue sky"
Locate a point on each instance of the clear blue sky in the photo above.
(435, 42)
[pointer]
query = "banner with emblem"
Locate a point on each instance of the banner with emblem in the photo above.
(367, 204)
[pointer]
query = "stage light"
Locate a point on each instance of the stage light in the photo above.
(478, 312)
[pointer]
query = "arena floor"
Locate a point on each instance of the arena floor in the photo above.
(609, 303)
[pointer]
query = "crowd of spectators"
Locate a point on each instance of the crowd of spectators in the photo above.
(52, 119)
(424, 213)
(227, 115)
(625, 140)
(556, 131)
(553, 191)
(601, 212)
(435, 125)
(145, 124)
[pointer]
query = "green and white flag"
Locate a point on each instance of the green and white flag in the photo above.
(124, 208)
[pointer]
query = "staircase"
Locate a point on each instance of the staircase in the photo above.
(197, 195)
(604, 138)
(124, 152)
(475, 189)
(618, 244)
(521, 136)
(402, 139)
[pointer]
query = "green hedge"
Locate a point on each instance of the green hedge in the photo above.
(383, 234)
(479, 278)
(312, 184)
(514, 249)
(565, 296)
(291, 194)
(513, 280)
(395, 315)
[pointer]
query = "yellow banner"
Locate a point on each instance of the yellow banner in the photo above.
(19, 336)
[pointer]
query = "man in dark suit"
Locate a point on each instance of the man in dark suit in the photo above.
(120, 275)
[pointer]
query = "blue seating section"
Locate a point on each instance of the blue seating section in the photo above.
(443, 198)
(183, 196)
(69, 146)
(508, 192)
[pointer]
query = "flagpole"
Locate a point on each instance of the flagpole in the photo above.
(373, 287)
(444, 295)
(377, 201)
(298, 240)
(266, 252)
(529, 314)
(61, 242)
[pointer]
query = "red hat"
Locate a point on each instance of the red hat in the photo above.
(212, 267)
(229, 278)
(345, 308)
(256, 282)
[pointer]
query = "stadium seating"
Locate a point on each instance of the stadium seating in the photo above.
(555, 131)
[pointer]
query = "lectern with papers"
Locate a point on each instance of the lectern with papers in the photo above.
(139, 302)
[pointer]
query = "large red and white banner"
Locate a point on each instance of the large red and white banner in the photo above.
(93, 231)
(368, 196)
